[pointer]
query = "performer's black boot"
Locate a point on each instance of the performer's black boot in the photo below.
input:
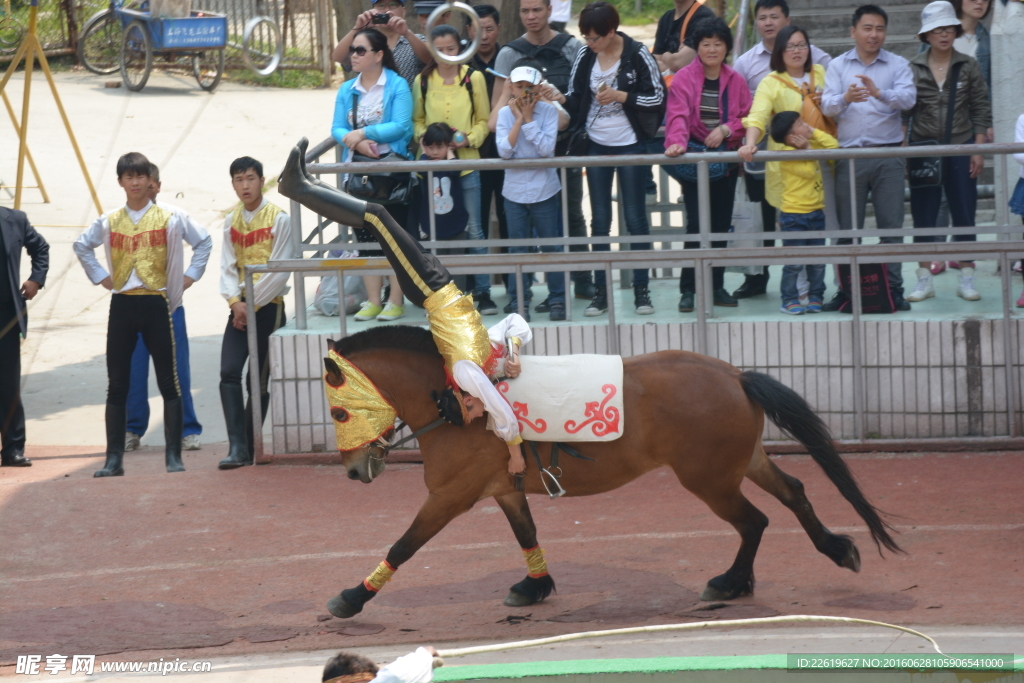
(234, 416)
(249, 440)
(317, 196)
(174, 418)
(116, 418)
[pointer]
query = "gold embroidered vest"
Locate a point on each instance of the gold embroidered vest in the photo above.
(457, 327)
(252, 241)
(141, 247)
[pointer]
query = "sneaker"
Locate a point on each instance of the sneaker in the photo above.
(956, 265)
(599, 305)
(584, 289)
(1020, 301)
(132, 441)
(834, 305)
(792, 308)
(485, 305)
(642, 300)
(723, 298)
(924, 289)
(937, 267)
(557, 311)
(966, 290)
(544, 306)
(813, 305)
(900, 303)
(513, 305)
(191, 443)
(368, 311)
(392, 311)
(686, 302)
(651, 199)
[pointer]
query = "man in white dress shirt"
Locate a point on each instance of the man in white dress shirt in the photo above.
(143, 244)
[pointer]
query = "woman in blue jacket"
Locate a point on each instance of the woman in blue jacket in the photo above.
(372, 118)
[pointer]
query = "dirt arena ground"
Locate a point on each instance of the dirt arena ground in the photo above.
(209, 563)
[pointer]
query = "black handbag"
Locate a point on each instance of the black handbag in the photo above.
(927, 171)
(380, 188)
(716, 170)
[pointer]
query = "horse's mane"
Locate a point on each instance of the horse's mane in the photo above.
(404, 337)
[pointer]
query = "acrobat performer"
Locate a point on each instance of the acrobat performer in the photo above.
(471, 351)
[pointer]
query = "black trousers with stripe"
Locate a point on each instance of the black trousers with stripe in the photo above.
(419, 272)
(130, 315)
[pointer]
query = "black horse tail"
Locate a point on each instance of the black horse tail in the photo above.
(790, 412)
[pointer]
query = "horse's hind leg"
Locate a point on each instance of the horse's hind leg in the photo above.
(790, 492)
(733, 507)
(538, 584)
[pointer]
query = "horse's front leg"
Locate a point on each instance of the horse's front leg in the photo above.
(538, 584)
(434, 515)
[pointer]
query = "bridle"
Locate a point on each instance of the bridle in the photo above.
(380, 449)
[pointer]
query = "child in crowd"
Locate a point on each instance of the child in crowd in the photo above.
(1017, 200)
(445, 197)
(803, 204)
(526, 129)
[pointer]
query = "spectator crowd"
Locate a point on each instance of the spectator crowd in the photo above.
(549, 94)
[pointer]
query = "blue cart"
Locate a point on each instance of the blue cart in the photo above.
(148, 41)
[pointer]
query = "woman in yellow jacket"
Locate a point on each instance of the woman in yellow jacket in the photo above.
(451, 94)
(794, 75)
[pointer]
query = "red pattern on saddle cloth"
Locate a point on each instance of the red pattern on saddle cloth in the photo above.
(250, 238)
(522, 411)
(605, 420)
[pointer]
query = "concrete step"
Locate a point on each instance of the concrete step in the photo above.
(827, 22)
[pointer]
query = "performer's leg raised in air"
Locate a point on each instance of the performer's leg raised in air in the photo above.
(472, 352)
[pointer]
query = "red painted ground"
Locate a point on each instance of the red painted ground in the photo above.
(244, 561)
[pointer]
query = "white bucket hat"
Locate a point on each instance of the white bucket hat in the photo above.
(936, 15)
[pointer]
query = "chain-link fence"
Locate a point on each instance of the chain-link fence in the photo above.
(59, 24)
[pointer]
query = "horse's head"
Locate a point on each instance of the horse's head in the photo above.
(363, 419)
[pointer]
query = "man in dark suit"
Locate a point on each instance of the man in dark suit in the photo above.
(15, 233)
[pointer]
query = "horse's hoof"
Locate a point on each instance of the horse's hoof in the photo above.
(711, 594)
(518, 600)
(341, 609)
(852, 559)
(720, 588)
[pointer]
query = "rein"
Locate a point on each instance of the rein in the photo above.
(380, 451)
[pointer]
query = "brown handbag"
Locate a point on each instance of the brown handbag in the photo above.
(811, 110)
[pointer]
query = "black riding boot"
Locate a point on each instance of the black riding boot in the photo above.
(234, 416)
(249, 440)
(174, 418)
(116, 419)
(315, 195)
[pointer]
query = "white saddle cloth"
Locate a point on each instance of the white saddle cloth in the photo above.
(567, 398)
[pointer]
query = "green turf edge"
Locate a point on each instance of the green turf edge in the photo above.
(601, 666)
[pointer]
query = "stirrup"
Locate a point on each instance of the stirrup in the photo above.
(559, 491)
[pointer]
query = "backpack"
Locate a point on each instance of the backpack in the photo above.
(557, 69)
(466, 81)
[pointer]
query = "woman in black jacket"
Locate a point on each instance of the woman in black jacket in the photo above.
(617, 93)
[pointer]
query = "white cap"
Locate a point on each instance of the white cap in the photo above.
(936, 15)
(527, 74)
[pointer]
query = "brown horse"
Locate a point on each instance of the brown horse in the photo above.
(697, 415)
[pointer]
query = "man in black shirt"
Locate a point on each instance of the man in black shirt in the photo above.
(485, 58)
(16, 233)
(667, 49)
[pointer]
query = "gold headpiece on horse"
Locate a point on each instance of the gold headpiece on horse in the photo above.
(361, 415)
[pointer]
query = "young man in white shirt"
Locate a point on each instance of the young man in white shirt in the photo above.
(143, 244)
(255, 232)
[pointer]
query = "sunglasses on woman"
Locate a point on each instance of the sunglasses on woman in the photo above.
(360, 50)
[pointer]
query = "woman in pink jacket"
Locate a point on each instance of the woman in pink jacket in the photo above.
(706, 106)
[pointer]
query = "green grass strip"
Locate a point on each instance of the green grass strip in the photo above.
(603, 666)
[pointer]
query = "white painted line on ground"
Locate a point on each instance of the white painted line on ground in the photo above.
(380, 552)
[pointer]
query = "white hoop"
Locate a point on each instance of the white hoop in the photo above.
(275, 60)
(459, 59)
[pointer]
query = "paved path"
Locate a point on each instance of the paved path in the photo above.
(230, 564)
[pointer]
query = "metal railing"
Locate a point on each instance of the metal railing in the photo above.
(702, 259)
